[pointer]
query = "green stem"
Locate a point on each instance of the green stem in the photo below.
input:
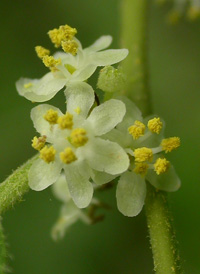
(15, 186)
(3, 252)
(134, 37)
(162, 235)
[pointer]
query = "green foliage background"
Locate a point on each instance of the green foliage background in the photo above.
(119, 244)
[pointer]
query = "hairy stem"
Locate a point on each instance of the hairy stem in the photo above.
(162, 235)
(3, 252)
(134, 37)
(15, 186)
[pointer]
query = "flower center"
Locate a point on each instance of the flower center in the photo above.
(137, 129)
(70, 68)
(78, 137)
(48, 154)
(170, 144)
(65, 121)
(38, 143)
(143, 154)
(155, 125)
(68, 156)
(51, 116)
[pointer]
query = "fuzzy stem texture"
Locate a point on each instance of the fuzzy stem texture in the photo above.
(162, 235)
(15, 186)
(134, 37)
(3, 252)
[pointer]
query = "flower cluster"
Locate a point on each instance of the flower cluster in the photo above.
(190, 8)
(89, 145)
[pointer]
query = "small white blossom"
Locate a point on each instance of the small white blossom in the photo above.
(69, 69)
(143, 141)
(69, 213)
(75, 144)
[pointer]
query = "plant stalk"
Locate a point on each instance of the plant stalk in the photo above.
(15, 186)
(134, 37)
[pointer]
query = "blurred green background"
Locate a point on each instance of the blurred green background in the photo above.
(118, 244)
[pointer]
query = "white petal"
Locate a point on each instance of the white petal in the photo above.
(37, 116)
(68, 216)
(60, 189)
(79, 95)
(131, 193)
(101, 178)
(84, 73)
(42, 175)
(106, 116)
(168, 181)
(108, 57)
(106, 156)
(102, 43)
(81, 190)
(132, 113)
(41, 90)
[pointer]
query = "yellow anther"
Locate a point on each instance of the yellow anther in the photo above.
(77, 110)
(38, 143)
(63, 33)
(137, 129)
(48, 154)
(70, 47)
(50, 61)
(51, 116)
(155, 125)
(68, 156)
(78, 137)
(41, 51)
(170, 144)
(161, 165)
(65, 121)
(141, 168)
(143, 154)
(193, 13)
(28, 85)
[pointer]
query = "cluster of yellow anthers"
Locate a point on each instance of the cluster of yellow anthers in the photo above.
(77, 137)
(145, 154)
(63, 36)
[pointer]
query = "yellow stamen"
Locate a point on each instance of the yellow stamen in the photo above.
(77, 110)
(155, 125)
(70, 47)
(170, 144)
(51, 116)
(41, 51)
(161, 166)
(78, 137)
(68, 156)
(28, 85)
(143, 154)
(65, 121)
(63, 33)
(48, 154)
(38, 143)
(50, 61)
(137, 129)
(141, 168)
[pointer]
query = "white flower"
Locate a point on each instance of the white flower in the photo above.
(76, 145)
(69, 213)
(143, 141)
(68, 69)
